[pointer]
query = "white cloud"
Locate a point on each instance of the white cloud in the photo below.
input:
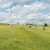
(22, 0)
(1, 1)
(24, 13)
(30, 0)
(5, 4)
(9, 4)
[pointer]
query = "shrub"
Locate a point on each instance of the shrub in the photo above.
(45, 24)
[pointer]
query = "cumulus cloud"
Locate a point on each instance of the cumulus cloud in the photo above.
(5, 4)
(22, 0)
(24, 13)
(30, 0)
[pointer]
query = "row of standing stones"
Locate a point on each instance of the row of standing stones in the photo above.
(44, 26)
(30, 25)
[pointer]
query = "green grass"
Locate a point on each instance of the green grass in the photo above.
(21, 37)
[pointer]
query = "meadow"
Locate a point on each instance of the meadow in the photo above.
(21, 37)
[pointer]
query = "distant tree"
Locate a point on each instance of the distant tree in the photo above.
(30, 26)
(17, 23)
(45, 24)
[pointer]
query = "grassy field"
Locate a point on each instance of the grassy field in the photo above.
(21, 37)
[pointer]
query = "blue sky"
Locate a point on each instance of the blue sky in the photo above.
(25, 11)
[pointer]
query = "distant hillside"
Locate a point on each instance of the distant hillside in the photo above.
(4, 24)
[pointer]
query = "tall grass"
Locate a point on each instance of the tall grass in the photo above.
(21, 37)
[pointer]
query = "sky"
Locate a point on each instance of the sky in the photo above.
(25, 11)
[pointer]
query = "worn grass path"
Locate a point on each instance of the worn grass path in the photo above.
(21, 37)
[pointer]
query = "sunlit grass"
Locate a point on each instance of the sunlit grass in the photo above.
(21, 37)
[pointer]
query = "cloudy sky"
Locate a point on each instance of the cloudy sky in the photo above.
(25, 11)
